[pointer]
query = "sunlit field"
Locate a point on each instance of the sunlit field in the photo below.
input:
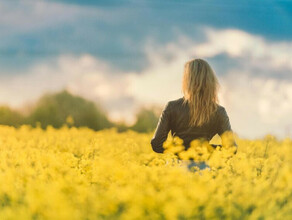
(71, 173)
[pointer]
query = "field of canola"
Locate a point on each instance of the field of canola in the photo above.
(74, 173)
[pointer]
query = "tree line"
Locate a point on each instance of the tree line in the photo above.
(63, 108)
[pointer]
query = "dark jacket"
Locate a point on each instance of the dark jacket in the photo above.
(175, 118)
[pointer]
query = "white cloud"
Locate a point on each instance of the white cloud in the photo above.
(31, 15)
(84, 75)
(28, 15)
(256, 104)
(239, 44)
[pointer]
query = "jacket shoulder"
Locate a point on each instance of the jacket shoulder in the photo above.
(176, 102)
(175, 105)
(221, 112)
(220, 109)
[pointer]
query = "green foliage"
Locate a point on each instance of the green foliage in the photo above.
(146, 120)
(121, 127)
(54, 109)
(64, 108)
(10, 117)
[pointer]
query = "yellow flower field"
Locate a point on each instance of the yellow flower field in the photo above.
(72, 173)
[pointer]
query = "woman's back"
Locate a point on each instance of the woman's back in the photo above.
(175, 118)
(197, 115)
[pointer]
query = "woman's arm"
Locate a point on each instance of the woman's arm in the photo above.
(224, 126)
(162, 130)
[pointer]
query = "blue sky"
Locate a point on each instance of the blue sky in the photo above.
(120, 44)
(106, 28)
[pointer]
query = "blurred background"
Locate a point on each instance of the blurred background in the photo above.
(117, 63)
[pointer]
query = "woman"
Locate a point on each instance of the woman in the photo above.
(196, 115)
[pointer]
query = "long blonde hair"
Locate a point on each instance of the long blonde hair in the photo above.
(200, 86)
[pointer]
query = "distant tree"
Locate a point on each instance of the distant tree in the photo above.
(60, 108)
(10, 117)
(121, 126)
(146, 121)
